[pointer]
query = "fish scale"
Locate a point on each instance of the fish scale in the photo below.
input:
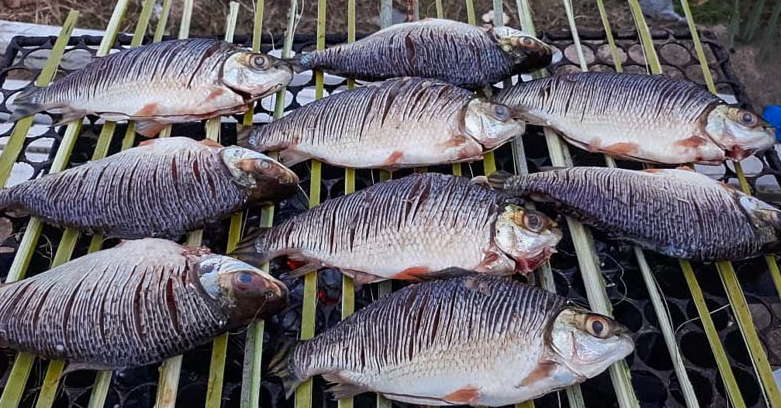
(655, 207)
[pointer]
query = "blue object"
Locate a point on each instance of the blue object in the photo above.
(772, 115)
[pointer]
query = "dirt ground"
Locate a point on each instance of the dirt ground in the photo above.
(754, 74)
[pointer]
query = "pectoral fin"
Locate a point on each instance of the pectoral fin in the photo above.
(149, 128)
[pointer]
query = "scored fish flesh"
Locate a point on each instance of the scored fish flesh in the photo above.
(471, 339)
(404, 122)
(646, 118)
(455, 52)
(678, 213)
(162, 83)
(407, 228)
(138, 303)
(164, 188)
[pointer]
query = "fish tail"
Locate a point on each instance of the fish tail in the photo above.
(27, 103)
(299, 62)
(498, 179)
(251, 248)
(282, 365)
(6, 199)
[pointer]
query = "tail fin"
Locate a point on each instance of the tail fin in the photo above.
(282, 365)
(498, 179)
(6, 199)
(244, 136)
(299, 63)
(26, 103)
(251, 248)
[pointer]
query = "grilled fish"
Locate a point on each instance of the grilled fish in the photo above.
(459, 53)
(404, 122)
(678, 213)
(645, 118)
(164, 188)
(135, 304)
(161, 83)
(407, 228)
(465, 340)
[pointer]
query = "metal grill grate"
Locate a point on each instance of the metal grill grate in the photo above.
(652, 374)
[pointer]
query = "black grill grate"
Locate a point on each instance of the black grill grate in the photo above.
(652, 373)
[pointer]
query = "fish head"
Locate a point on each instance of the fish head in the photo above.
(241, 290)
(587, 343)
(491, 124)
(765, 218)
(266, 178)
(739, 132)
(255, 75)
(528, 236)
(527, 51)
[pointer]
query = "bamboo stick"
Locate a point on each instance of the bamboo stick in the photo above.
(587, 260)
(348, 286)
(308, 315)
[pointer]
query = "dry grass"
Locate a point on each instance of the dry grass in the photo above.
(208, 14)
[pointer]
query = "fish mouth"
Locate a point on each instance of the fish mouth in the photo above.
(526, 265)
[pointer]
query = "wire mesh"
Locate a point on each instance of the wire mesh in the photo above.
(652, 374)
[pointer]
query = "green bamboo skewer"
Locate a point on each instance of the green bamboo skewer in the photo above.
(23, 363)
(348, 286)
(253, 349)
(660, 308)
(587, 259)
(455, 167)
(220, 343)
(184, 32)
(712, 335)
(727, 272)
(161, 23)
(304, 391)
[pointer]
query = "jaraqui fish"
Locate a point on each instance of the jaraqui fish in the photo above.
(164, 188)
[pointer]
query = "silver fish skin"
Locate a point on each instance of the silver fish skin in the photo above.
(399, 123)
(408, 228)
(678, 213)
(162, 83)
(451, 51)
(135, 304)
(647, 118)
(164, 188)
(471, 339)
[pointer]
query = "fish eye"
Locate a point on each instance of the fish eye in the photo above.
(244, 280)
(265, 165)
(748, 119)
(501, 112)
(528, 42)
(534, 222)
(597, 326)
(259, 61)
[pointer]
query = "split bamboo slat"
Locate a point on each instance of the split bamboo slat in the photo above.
(586, 253)
(655, 295)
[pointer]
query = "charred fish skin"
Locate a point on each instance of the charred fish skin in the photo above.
(399, 123)
(459, 53)
(135, 304)
(156, 84)
(164, 188)
(651, 208)
(408, 228)
(646, 118)
(472, 339)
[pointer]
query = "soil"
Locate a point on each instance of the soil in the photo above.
(548, 15)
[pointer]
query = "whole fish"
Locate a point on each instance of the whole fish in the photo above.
(407, 228)
(404, 122)
(678, 213)
(459, 53)
(646, 118)
(465, 340)
(164, 188)
(162, 83)
(135, 304)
